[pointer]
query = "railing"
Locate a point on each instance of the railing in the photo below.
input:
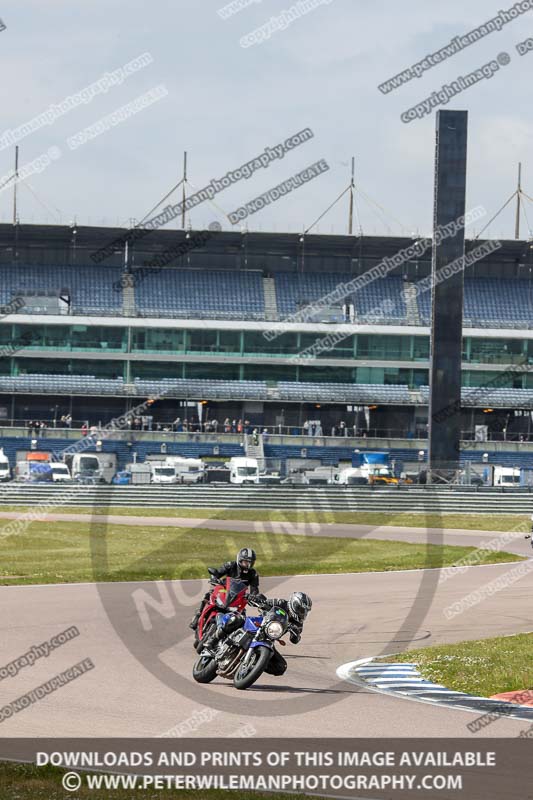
(193, 431)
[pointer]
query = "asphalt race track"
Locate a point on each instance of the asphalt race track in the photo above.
(354, 616)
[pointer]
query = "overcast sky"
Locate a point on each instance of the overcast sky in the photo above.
(226, 103)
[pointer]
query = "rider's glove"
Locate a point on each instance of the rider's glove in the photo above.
(295, 636)
(257, 599)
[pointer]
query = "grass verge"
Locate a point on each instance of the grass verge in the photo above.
(58, 552)
(483, 522)
(23, 782)
(483, 666)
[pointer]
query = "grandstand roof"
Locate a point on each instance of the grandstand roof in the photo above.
(78, 242)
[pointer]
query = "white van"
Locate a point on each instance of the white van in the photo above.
(5, 472)
(60, 471)
(189, 470)
(243, 470)
(163, 473)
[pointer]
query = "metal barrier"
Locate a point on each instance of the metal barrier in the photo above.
(414, 499)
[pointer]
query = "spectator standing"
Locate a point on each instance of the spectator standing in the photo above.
(239, 426)
(214, 425)
(227, 425)
(305, 428)
(84, 429)
(234, 426)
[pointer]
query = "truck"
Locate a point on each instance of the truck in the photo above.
(5, 472)
(243, 470)
(506, 476)
(35, 467)
(91, 467)
(351, 476)
(376, 467)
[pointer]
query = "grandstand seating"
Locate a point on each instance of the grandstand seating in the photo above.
(202, 294)
(343, 392)
(71, 384)
(218, 294)
(187, 387)
(296, 290)
(381, 300)
(362, 393)
(484, 395)
(90, 288)
(490, 302)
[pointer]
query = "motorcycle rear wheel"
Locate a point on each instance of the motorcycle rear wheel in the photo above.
(204, 669)
(247, 674)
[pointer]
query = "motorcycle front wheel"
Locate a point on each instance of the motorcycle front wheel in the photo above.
(249, 672)
(204, 669)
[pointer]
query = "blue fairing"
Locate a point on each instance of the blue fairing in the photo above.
(250, 623)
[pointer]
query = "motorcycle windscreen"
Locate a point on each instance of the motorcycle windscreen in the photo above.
(234, 587)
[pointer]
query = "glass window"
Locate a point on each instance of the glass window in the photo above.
(155, 370)
(157, 340)
(57, 336)
(229, 341)
(255, 342)
(421, 348)
(323, 374)
(5, 333)
(202, 341)
(99, 337)
(319, 344)
(496, 351)
(385, 348)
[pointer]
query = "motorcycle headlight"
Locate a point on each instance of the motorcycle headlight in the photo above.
(274, 630)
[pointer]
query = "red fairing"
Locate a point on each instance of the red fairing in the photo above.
(233, 594)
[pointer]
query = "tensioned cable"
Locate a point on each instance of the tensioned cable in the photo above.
(383, 210)
(28, 185)
(328, 209)
(497, 214)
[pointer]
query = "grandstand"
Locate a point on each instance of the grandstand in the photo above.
(93, 344)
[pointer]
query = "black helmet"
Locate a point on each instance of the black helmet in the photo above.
(300, 605)
(245, 556)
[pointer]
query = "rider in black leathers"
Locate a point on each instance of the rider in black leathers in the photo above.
(241, 568)
(297, 607)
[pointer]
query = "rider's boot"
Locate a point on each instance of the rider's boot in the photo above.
(194, 621)
(210, 645)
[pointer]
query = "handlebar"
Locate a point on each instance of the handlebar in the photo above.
(528, 536)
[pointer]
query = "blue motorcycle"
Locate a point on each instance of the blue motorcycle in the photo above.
(245, 652)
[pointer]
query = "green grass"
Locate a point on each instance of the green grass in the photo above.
(23, 782)
(483, 666)
(484, 522)
(56, 552)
